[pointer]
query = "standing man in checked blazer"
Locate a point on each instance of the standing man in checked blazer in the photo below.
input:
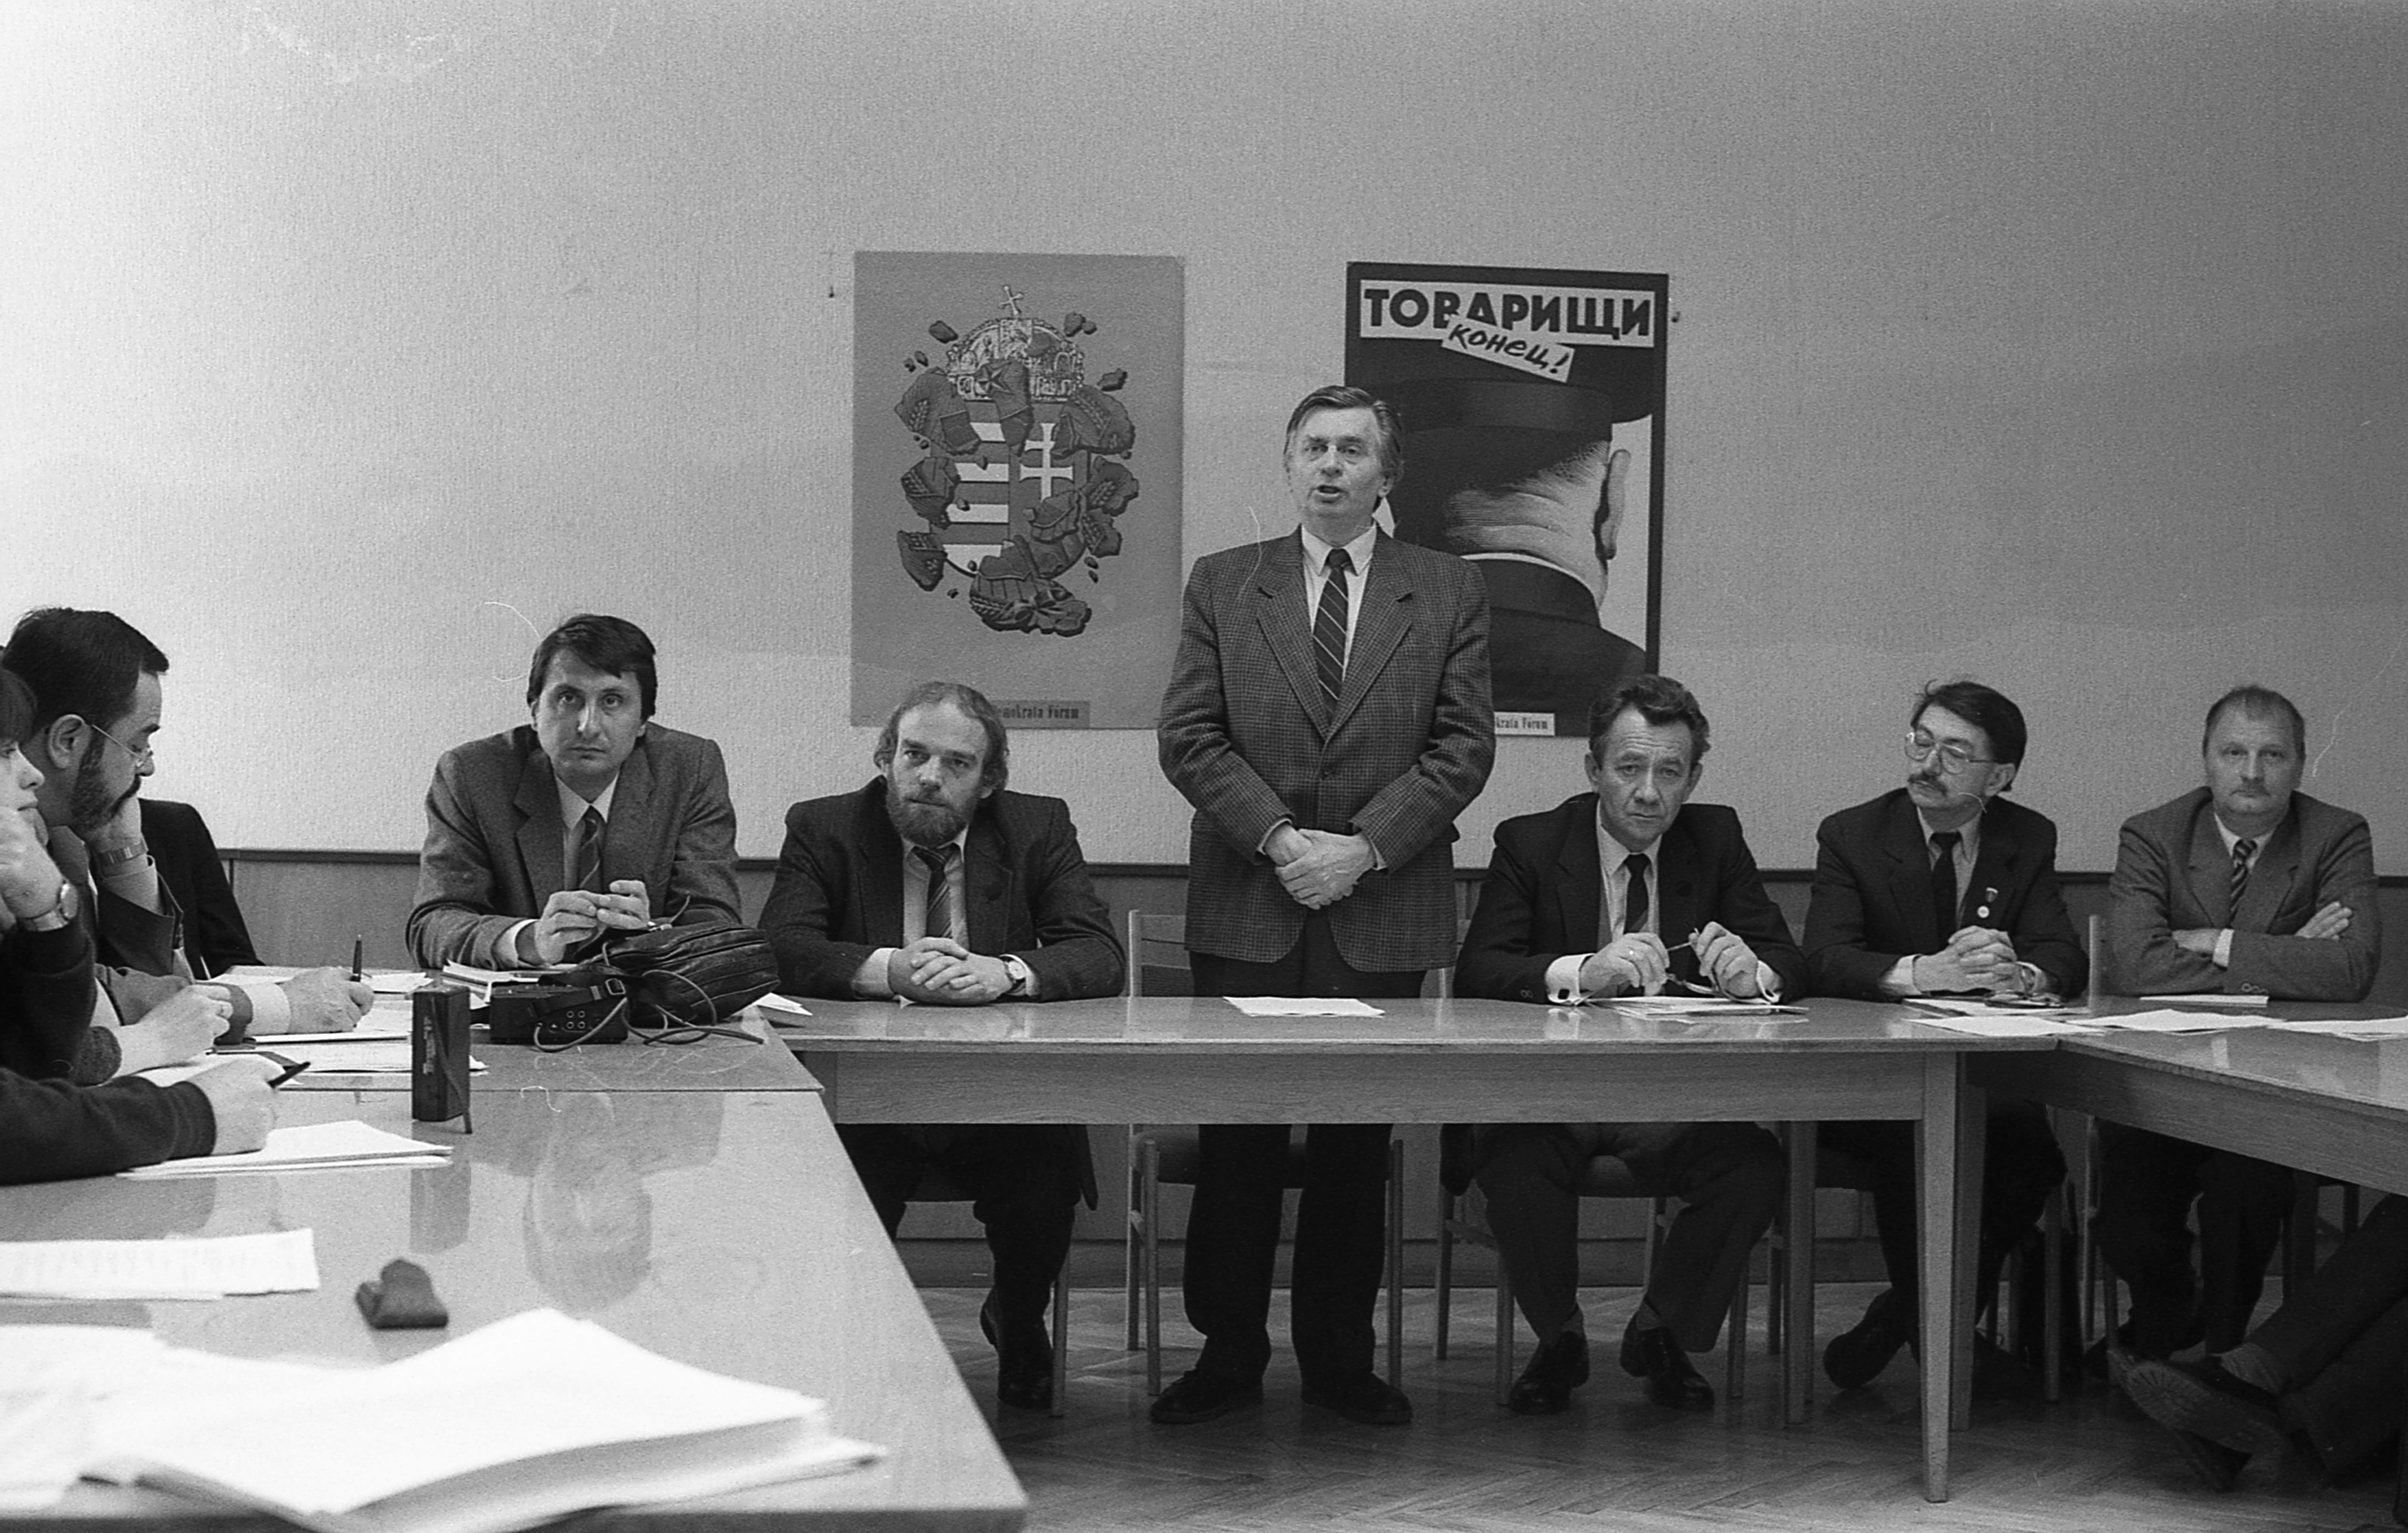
(2247, 886)
(1328, 716)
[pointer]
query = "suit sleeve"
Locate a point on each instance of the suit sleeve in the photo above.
(1192, 739)
(702, 879)
(2311, 968)
(2142, 958)
(1412, 813)
(804, 909)
(2044, 935)
(1080, 955)
(1497, 960)
(48, 989)
(1839, 961)
(455, 917)
(50, 1131)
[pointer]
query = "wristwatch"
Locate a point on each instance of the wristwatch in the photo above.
(60, 916)
(1021, 978)
(109, 864)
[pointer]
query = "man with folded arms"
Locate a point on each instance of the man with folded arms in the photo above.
(1943, 887)
(97, 701)
(589, 818)
(2244, 886)
(934, 885)
(1628, 889)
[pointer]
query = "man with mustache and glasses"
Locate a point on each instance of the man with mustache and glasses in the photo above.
(2245, 886)
(589, 818)
(97, 691)
(1943, 887)
(934, 885)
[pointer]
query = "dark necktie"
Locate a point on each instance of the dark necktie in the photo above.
(1943, 884)
(2243, 850)
(1330, 628)
(589, 851)
(941, 905)
(1634, 895)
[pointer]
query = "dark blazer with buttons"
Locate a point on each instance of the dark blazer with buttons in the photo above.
(1545, 886)
(492, 852)
(215, 938)
(2172, 874)
(1247, 739)
(838, 895)
(1872, 903)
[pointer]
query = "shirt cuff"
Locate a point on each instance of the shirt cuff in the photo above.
(512, 950)
(870, 979)
(1563, 979)
(1263, 847)
(1768, 983)
(1900, 981)
(2224, 948)
(271, 1009)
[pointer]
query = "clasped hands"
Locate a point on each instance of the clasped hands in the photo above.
(940, 971)
(2323, 926)
(1976, 958)
(572, 917)
(1636, 962)
(1319, 867)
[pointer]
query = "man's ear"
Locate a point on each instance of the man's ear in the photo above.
(2010, 768)
(1697, 775)
(60, 742)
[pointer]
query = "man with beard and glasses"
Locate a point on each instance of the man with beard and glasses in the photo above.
(98, 695)
(589, 818)
(934, 885)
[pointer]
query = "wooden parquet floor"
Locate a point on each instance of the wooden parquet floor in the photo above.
(1613, 1462)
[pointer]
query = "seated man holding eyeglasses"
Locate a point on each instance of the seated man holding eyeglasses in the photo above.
(1943, 887)
(586, 820)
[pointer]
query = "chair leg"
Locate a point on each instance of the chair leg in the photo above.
(1446, 1205)
(1133, 1240)
(1776, 1280)
(1735, 1362)
(1152, 1268)
(1504, 1335)
(2349, 1211)
(1061, 1342)
(1397, 1263)
(2052, 1295)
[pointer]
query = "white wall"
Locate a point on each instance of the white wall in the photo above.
(343, 345)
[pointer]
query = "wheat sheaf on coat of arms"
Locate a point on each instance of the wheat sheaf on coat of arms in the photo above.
(1020, 478)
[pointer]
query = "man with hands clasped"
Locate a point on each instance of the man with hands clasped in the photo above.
(935, 884)
(1576, 906)
(1943, 887)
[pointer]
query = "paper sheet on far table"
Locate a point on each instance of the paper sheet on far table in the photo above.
(278, 1261)
(1303, 1006)
(2210, 997)
(2003, 1026)
(2364, 1029)
(311, 1145)
(2176, 1022)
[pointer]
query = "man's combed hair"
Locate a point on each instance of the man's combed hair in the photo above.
(2256, 702)
(1347, 396)
(1661, 701)
(995, 769)
(82, 662)
(1982, 707)
(612, 646)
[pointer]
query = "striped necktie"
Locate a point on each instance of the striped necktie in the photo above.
(589, 851)
(941, 904)
(2243, 850)
(1330, 628)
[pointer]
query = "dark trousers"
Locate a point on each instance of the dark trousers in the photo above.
(2021, 1165)
(2342, 1342)
(1024, 1185)
(1233, 1226)
(1728, 1176)
(2146, 1182)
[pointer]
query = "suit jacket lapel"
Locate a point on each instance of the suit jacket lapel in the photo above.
(1385, 618)
(2211, 868)
(539, 827)
(1910, 877)
(986, 887)
(1983, 901)
(1278, 606)
(631, 827)
(877, 852)
(1579, 878)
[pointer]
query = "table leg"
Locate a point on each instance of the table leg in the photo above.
(1797, 1295)
(1936, 1143)
(1973, 1120)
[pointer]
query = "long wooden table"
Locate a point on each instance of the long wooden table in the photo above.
(1183, 1060)
(724, 1228)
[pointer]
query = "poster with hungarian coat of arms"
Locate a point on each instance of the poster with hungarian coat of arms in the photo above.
(1016, 482)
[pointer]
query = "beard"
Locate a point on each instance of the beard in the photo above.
(89, 804)
(923, 821)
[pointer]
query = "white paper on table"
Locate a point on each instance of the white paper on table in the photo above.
(2176, 1022)
(406, 981)
(2209, 998)
(2364, 1029)
(2003, 1025)
(1991, 1008)
(1303, 1006)
(500, 976)
(786, 1005)
(349, 1142)
(376, 1024)
(279, 1262)
(1679, 1007)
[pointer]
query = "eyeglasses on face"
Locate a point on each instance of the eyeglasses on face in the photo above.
(1953, 756)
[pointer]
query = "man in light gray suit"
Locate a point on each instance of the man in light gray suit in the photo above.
(2245, 886)
(1328, 716)
(587, 820)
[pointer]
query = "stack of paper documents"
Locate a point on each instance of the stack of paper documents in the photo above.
(1682, 1007)
(279, 1262)
(1303, 1006)
(310, 1147)
(2165, 1021)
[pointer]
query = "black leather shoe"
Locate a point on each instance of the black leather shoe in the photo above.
(1653, 1355)
(2202, 1399)
(1856, 1358)
(1365, 1398)
(1196, 1396)
(1545, 1387)
(1023, 1373)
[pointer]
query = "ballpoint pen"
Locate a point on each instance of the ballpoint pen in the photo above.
(359, 954)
